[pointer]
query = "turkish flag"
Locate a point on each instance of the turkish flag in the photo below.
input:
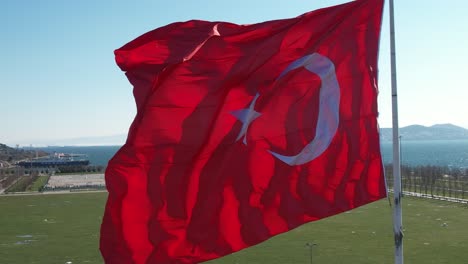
(244, 132)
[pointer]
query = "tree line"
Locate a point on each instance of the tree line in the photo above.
(432, 180)
(80, 169)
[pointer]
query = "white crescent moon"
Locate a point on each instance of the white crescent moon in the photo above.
(328, 117)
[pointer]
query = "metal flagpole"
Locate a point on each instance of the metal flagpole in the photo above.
(397, 212)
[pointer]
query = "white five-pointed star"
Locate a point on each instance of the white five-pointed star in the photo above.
(246, 116)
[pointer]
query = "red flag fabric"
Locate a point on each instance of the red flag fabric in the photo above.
(244, 132)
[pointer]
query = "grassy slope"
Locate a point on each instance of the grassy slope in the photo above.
(71, 233)
(38, 184)
(18, 186)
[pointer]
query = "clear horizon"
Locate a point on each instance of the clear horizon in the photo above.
(60, 80)
(112, 140)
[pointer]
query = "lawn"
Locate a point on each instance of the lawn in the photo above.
(38, 184)
(58, 228)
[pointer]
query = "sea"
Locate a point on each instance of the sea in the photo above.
(451, 153)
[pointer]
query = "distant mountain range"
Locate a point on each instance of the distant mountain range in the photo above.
(435, 132)
(114, 140)
(413, 132)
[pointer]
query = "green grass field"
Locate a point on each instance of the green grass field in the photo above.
(59, 228)
(38, 184)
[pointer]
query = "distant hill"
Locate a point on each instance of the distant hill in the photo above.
(413, 132)
(10, 155)
(115, 140)
(435, 132)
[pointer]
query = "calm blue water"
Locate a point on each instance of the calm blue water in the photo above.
(452, 153)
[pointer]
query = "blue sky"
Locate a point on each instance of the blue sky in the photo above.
(59, 79)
